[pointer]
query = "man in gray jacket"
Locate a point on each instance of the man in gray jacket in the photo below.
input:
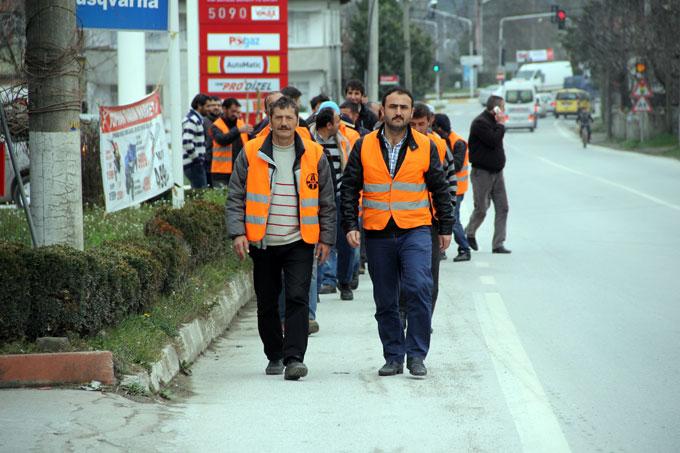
(281, 204)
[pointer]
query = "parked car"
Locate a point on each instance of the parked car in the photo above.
(487, 91)
(570, 100)
(520, 105)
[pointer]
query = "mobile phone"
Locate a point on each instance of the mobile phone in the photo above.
(497, 110)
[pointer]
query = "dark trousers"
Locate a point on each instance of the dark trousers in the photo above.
(295, 260)
(435, 270)
(345, 263)
(196, 174)
(402, 264)
(489, 187)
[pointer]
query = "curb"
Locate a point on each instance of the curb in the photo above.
(196, 336)
(20, 370)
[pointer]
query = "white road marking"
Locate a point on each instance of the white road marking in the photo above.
(487, 279)
(535, 421)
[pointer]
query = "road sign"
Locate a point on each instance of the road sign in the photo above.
(123, 14)
(389, 79)
(500, 76)
(642, 104)
(243, 49)
(641, 89)
(471, 60)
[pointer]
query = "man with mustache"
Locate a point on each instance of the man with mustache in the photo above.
(281, 204)
(397, 168)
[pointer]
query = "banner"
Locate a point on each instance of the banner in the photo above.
(123, 14)
(136, 162)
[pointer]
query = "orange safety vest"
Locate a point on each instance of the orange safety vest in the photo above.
(222, 160)
(258, 191)
(404, 198)
(462, 176)
(349, 133)
(441, 145)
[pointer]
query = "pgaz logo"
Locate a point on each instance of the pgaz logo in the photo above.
(244, 42)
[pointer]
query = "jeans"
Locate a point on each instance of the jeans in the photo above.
(346, 263)
(295, 261)
(435, 270)
(458, 231)
(327, 272)
(196, 174)
(402, 263)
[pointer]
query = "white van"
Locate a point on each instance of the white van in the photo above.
(546, 76)
(520, 105)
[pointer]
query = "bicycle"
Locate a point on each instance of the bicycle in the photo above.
(584, 136)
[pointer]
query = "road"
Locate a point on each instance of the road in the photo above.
(572, 343)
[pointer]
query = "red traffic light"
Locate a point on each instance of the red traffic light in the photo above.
(561, 15)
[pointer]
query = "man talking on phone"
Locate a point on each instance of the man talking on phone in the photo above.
(487, 158)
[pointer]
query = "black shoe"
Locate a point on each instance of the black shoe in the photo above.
(501, 249)
(391, 369)
(295, 370)
(327, 289)
(354, 284)
(274, 367)
(362, 269)
(442, 256)
(346, 292)
(462, 256)
(416, 366)
(473, 243)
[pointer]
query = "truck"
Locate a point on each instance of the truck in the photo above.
(545, 76)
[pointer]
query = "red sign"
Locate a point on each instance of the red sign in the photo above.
(641, 89)
(243, 49)
(389, 79)
(642, 104)
(500, 76)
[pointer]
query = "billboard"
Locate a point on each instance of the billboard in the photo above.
(243, 49)
(123, 14)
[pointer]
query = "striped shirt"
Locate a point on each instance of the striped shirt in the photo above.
(332, 151)
(193, 137)
(393, 151)
(283, 223)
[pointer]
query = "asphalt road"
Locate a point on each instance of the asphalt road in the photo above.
(572, 343)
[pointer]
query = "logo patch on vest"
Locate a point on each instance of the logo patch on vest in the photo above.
(312, 181)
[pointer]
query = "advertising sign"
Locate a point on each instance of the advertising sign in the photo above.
(123, 14)
(528, 56)
(135, 160)
(243, 49)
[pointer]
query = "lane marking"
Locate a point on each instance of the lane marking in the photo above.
(535, 421)
(488, 279)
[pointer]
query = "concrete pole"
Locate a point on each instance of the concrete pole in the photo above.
(175, 96)
(473, 68)
(373, 51)
(131, 56)
(193, 59)
(54, 124)
(406, 23)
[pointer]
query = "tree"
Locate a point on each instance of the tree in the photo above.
(392, 46)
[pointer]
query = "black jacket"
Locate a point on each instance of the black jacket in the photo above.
(367, 118)
(353, 182)
(486, 143)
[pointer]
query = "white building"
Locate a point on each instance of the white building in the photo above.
(314, 55)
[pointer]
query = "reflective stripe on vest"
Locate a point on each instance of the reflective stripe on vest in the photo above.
(222, 158)
(258, 191)
(462, 175)
(404, 198)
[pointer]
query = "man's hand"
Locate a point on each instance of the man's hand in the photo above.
(247, 128)
(444, 242)
(500, 117)
(240, 244)
(322, 252)
(354, 238)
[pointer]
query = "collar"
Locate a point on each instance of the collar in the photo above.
(267, 147)
(409, 137)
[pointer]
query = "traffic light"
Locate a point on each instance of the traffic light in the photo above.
(561, 17)
(553, 10)
(640, 68)
(436, 67)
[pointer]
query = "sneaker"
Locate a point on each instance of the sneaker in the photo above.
(462, 256)
(442, 256)
(346, 292)
(327, 289)
(416, 366)
(391, 369)
(274, 367)
(473, 243)
(501, 249)
(295, 370)
(313, 326)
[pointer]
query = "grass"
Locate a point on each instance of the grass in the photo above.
(138, 340)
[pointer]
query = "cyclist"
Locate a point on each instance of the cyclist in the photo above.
(585, 119)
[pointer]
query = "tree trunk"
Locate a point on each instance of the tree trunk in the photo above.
(52, 47)
(607, 101)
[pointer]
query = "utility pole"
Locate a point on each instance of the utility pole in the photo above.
(373, 50)
(175, 95)
(52, 49)
(406, 23)
(501, 43)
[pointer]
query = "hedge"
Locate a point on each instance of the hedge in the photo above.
(56, 290)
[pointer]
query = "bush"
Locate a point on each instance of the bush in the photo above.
(58, 290)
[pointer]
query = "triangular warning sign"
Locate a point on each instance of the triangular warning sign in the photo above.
(641, 89)
(642, 105)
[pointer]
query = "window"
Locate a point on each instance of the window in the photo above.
(519, 96)
(299, 24)
(567, 96)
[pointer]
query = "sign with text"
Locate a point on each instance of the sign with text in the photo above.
(135, 160)
(123, 14)
(243, 48)
(528, 56)
(392, 79)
